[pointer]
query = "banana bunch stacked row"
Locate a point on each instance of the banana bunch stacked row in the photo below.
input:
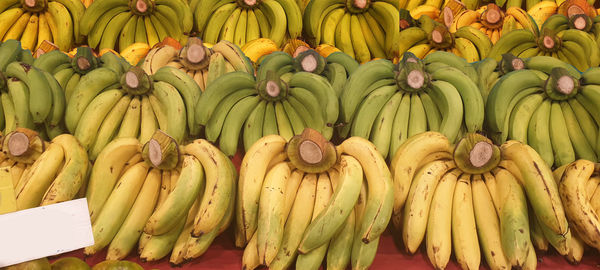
(549, 110)
(240, 21)
(119, 23)
(33, 21)
(578, 189)
(201, 63)
(471, 200)
(31, 98)
(44, 173)
(304, 201)
(129, 103)
(181, 198)
(568, 39)
(280, 101)
(429, 36)
(361, 29)
(388, 103)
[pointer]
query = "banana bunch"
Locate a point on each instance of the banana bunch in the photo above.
(305, 200)
(472, 200)
(105, 105)
(363, 29)
(31, 98)
(11, 51)
(492, 21)
(336, 67)
(239, 105)
(551, 112)
(430, 36)
(444, 14)
(201, 63)
(34, 21)
(577, 186)
(541, 11)
(241, 21)
(574, 46)
(120, 23)
(50, 173)
(581, 22)
(388, 103)
(182, 198)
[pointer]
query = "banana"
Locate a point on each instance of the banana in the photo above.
(407, 158)
(218, 90)
(382, 129)
(369, 109)
(270, 217)
(583, 149)
(62, 18)
(117, 207)
(521, 115)
(33, 184)
(561, 144)
(9, 17)
(16, 30)
(314, 258)
(41, 106)
(110, 125)
(19, 94)
(331, 218)
(538, 134)
(586, 121)
(180, 199)
(417, 122)
(439, 234)
(488, 224)
(251, 180)
(380, 187)
(94, 114)
(539, 185)
(71, 177)
(577, 207)
(416, 210)
(220, 185)
(450, 108)
(128, 234)
(169, 96)
(464, 231)
(106, 171)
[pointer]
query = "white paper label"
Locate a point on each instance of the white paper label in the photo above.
(44, 231)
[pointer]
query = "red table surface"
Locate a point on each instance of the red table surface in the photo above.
(223, 254)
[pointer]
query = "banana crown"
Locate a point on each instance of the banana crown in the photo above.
(161, 151)
(476, 154)
(311, 152)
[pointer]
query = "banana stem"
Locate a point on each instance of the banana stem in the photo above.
(21, 141)
(476, 154)
(161, 151)
(565, 85)
(481, 154)
(412, 77)
(136, 82)
(579, 23)
(84, 60)
(415, 79)
(548, 42)
(247, 3)
(194, 55)
(437, 37)
(141, 7)
(448, 16)
(312, 146)
(300, 50)
(34, 5)
(272, 88)
(406, 20)
(510, 63)
(493, 15)
(560, 85)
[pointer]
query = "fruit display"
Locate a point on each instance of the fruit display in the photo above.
(241, 21)
(106, 105)
(490, 189)
(201, 63)
(239, 106)
(492, 21)
(117, 24)
(388, 103)
(304, 201)
(45, 173)
(182, 202)
(34, 21)
(546, 111)
(364, 29)
(431, 36)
